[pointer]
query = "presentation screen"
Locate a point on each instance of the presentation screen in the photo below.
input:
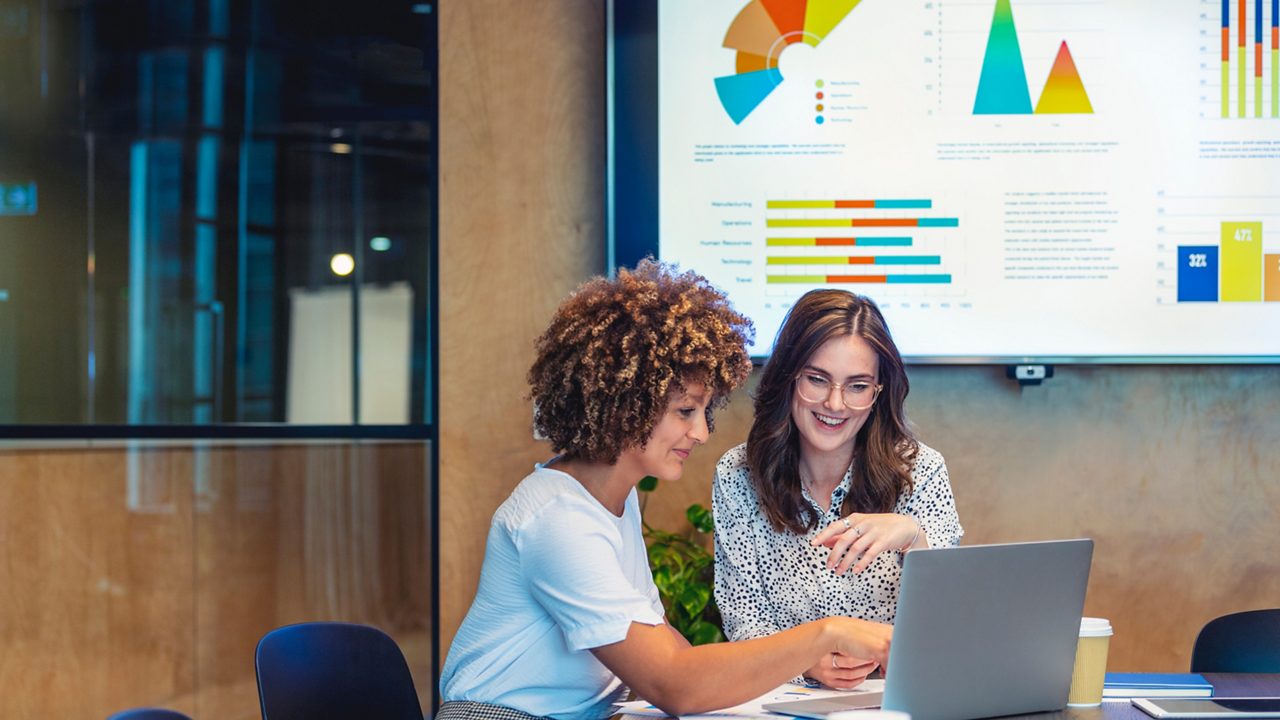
(1010, 180)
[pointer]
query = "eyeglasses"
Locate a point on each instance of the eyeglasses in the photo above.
(857, 395)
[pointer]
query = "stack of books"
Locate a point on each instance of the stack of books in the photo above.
(1150, 685)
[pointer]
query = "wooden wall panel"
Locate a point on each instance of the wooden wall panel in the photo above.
(521, 224)
(87, 586)
(1174, 471)
(146, 575)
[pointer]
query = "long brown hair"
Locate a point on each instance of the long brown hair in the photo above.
(884, 448)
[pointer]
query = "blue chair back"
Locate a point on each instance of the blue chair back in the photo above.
(333, 671)
(149, 713)
(1243, 642)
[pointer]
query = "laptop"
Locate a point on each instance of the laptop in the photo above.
(980, 631)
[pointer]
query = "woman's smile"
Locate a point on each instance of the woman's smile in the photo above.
(835, 423)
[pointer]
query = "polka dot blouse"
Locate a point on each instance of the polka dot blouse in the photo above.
(768, 581)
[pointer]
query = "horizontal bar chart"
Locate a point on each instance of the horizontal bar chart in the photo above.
(839, 242)
(863, 204)
(861, 222)
(939, 279)
(789, 265)
(856, 260)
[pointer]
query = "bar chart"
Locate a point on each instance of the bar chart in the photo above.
(828, 258)
(1019, 176)
(1250, 74)
(1237, 269)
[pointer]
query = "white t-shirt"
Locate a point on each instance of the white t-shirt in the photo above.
(561, 575)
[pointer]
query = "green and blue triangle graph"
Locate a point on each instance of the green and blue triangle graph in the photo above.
(1002, 88)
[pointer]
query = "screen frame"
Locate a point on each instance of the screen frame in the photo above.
(631, 188)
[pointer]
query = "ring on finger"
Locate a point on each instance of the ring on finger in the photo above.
(847, 524)
(857, 530)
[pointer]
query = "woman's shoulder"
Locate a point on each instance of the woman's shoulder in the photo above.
(733, 495)
(732, 465)
(541, 492)
(926, 463)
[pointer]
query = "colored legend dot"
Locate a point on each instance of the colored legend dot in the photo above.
(819, 120)
(819, 107)
(817, 83)
(819, 96)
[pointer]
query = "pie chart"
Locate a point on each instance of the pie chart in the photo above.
(760, 33)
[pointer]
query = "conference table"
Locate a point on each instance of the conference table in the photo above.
(1224, 685)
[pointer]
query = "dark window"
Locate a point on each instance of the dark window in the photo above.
(182, 185)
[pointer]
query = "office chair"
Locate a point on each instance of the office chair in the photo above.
(333, 671)
(148, 713)
(1243, 642)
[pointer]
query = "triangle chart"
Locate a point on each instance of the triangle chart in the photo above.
(1002, 87)
(1064, 91)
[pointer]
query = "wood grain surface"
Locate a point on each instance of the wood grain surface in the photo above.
(521, 225)
(146, 575)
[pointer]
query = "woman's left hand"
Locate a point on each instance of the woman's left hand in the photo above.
(857, 539)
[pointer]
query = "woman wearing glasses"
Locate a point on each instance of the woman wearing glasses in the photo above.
(567, 613)
(814, 512)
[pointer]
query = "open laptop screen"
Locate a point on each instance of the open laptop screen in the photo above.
(981, 631)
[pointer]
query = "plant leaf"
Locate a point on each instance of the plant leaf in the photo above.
(648, 483)
(701, 632)
(682, 571)
(694, 597)
(700, 518)
(662, 579)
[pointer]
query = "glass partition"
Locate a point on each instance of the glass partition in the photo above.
(217, 211)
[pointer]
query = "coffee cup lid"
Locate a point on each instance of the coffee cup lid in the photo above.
(1095, 627)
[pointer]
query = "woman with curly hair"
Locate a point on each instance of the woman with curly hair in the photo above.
(814, 512)
(567, 614)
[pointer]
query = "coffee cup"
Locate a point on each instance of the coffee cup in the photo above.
(1091, 663)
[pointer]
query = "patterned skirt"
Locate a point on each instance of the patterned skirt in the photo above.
(467, 710)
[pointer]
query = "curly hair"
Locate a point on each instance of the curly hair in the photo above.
(618, 348)
(885, 447)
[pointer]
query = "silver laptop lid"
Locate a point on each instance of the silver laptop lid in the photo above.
(987, 630)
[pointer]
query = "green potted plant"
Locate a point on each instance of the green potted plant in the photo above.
(684, 572)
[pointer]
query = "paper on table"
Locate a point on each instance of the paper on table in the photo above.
(755, 708)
